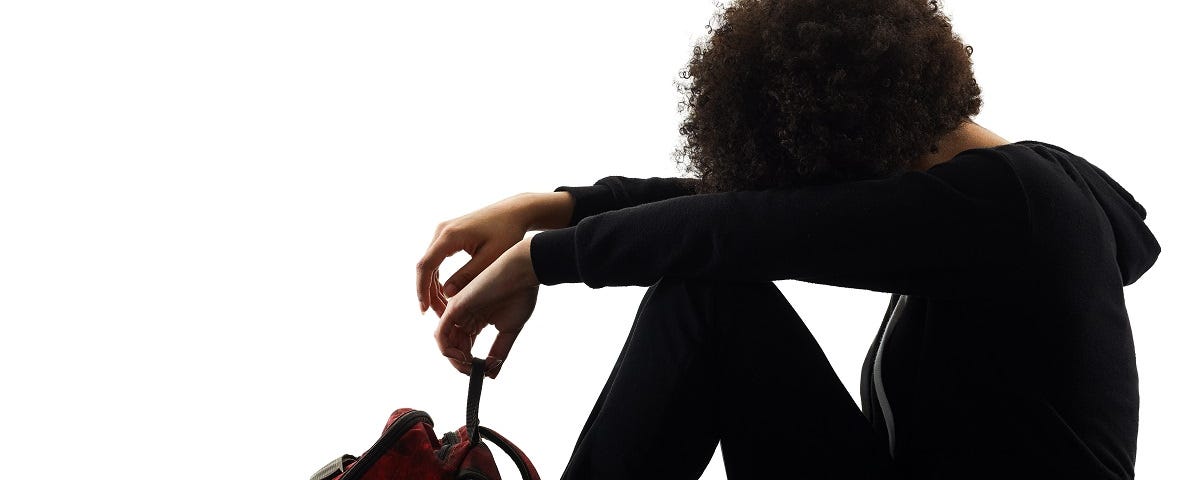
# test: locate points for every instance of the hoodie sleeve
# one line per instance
(934, 233)
(617, 192)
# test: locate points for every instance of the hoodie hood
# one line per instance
(1136, 247)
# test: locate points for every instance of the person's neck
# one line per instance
(967, 136)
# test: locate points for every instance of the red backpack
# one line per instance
(409, 449)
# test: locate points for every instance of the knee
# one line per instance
(728, 313)
(712, 289)
(692, 294)
(705, 296)
(681, 305)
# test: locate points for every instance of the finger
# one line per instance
(479, 261)
(428, 264)
(500, 350)
(438, 298)
(454, 341)
(461, 318)
(492, 365)
(455, 357)
(425, 268)
(452, 345)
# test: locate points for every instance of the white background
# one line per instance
(210, 212)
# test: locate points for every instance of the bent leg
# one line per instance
(653, 417)
(795, 418)
(708, 361)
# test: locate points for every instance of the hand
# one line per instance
(485, 234)
(504, 295)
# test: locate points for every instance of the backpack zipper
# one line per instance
(402, 424)
(877, 375)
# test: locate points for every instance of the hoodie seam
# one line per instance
(1030, 234)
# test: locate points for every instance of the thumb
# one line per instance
(500, 349)
(468, 272)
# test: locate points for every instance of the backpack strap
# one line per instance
(475, 431)
(473, 392)
(518, 457)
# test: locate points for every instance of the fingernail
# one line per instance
(495, 367)
(462, 357)
(422, 306)
(450, 289)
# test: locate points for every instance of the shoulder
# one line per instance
(1048, 174)
(981, 172)
(1036, 164)
(1032, 168)
(1021, 180)
(1053, 187)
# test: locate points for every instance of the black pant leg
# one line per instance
(651, 419)
(788, 413)
(708, 361)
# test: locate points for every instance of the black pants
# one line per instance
(710, 361)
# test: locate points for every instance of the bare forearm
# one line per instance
(546, 211)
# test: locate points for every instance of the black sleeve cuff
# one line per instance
(553, 255)
(589, 201)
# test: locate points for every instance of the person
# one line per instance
(833, 143)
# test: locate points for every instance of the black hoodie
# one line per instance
(1009, 354)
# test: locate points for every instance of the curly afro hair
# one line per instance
(788, 93)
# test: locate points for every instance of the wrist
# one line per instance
(521, 252)
(545, 211)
